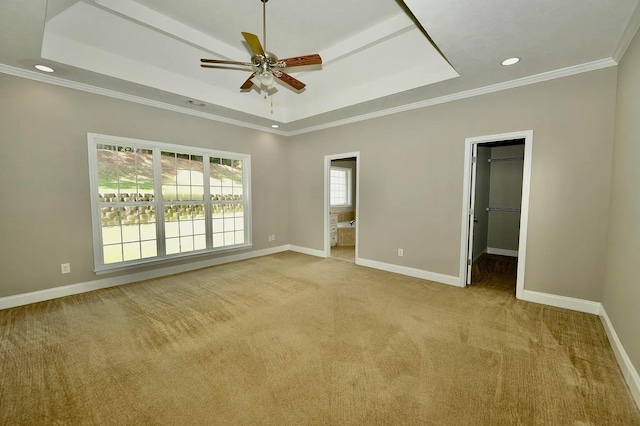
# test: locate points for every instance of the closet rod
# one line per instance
(504, 209)
(496, 160)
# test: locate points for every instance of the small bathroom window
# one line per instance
(340, 187)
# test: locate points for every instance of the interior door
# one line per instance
(472, 202)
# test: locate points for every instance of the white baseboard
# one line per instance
(628, 370)
(68, 290)
(305, 250)
(412, 272)
(571, 303)
(402, 270)
(502, 252)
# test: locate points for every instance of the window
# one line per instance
(340, 187)
(153, 201)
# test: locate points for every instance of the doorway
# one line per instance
(495, 215)
(341, 206)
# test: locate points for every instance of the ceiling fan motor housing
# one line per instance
(264, 63)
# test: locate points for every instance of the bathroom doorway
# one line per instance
(341, 206)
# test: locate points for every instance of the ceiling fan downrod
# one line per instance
(264, 23)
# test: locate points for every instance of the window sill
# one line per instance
(107, 269)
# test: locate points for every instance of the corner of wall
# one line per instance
(629, 372)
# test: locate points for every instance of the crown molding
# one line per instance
(538, 78)
(46, 78)
(627, 36)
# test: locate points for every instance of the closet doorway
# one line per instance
(497, 177)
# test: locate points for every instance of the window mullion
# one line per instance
(347, 188)
(246, 200)
(157, 196)
(208, 226)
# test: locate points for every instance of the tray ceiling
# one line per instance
(376, 54)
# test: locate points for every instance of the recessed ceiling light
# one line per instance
(510, 61)
(275, 126)
(44, 68)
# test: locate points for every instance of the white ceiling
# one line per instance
(376, 57)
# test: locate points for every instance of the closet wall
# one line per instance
(505, 197)
(498, 197)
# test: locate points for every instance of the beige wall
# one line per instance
(505, 191)
(621, 294)
(411, 175)
(44, 190)
(412, 163)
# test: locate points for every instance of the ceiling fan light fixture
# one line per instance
(510, 61)
(264, 80)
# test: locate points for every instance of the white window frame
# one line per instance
(95, 139)
(349, 184)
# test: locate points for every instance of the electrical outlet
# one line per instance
(65, 268)
(400, 252)
(272, 237)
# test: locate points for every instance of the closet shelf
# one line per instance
(504, 209)
(498, 160)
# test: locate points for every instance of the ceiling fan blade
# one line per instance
(224, 67)
(254, 43)
(248, 84)
(286, 78)
(299, 61)
(220, 61)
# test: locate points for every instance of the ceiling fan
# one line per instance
(266, 65)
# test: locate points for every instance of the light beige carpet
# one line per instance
(344, 252)
(290, 339)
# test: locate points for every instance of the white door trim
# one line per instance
(471, 216)
(327, 207)
(527, 135)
